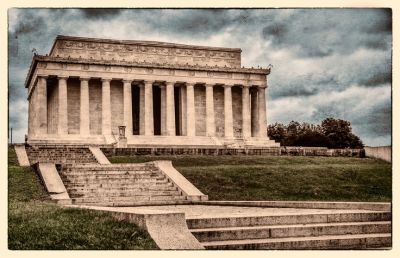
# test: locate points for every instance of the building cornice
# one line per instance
(40, 58)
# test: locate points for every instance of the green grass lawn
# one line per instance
(283, 178)
(36, 223)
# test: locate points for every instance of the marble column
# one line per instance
(128, 107)
(106, 107)
(170, 108)
(190, 111)
(163, 110)
(148, 108)
(41, 88)
(228, 111)
(262, 113)
(141, 109)
(84, 112)
(246, 117)
(210, 120)
(182, 110)
(254, 112)
(62, 105)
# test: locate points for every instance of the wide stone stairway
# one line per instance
(325, 229)
(119, 185)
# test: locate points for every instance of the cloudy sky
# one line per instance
(326, 62)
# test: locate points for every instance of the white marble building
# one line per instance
(165, 94)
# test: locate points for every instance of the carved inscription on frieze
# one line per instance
(149, 54)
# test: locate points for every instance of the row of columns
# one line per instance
(254, 124)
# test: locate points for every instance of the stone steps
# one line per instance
(89, 189)
(127, 199)
(194, 223)
(119, 184)
(138, 203)
(350, 229)
(296, 230)
(110, 194)
(110, 172)
(115, 181)
(113, 177)
(336, 242)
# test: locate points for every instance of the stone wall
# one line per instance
(74, 105)
(59, 154)
(52, 108)
(200, 109)
(237, 111)
(382, 152)
(109, 152)
(271, 151)
(95, 96)
(321, 151)
(219, 112)
(117, 105)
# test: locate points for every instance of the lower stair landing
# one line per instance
(241, 227)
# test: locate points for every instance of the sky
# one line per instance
(326, 62)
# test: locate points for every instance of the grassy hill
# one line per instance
(283, 178)
(36, 223)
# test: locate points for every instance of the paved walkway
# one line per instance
(210, 211)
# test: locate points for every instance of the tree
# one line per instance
(332, 133)
(277, 132)
(339, 133)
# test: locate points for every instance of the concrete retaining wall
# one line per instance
(383, 152)
(272, 151)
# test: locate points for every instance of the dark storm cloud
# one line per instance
(307, 85)
(29, 24)
(100, 13)
(322, 32)
(376, 79)
(193, 22)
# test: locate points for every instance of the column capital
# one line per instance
(43, 76)
(148, 82)
(227, 86)
(246, 86)
(190, 84)
(264, 86)
(63, 77)
(170, 83)
(127, 80)
(106, 79)
(209, 85)
(82, 78)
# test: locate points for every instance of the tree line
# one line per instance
(331, 133)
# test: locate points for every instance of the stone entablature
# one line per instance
(48, 66)
(148, 51)
(46, 63)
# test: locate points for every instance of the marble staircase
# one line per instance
(334, 230)
(119, 185)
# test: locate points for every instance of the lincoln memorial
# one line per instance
(88, 90)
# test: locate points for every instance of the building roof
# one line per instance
(143, 43)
